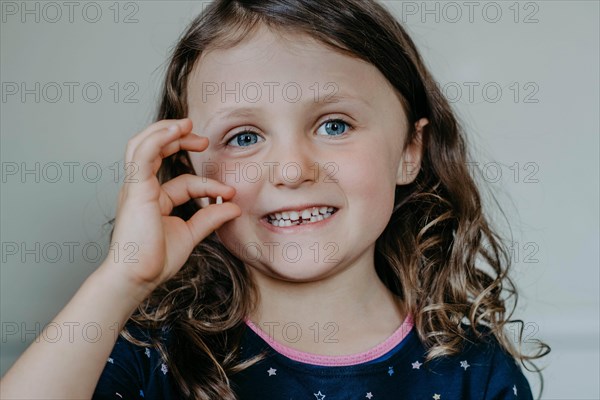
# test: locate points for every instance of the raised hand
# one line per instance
(163, 242)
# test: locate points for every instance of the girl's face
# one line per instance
(264, 105)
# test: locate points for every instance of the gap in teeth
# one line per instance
(289, 218)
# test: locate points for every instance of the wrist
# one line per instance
(121, 285)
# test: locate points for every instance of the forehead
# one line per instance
(275, 60)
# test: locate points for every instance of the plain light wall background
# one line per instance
(543, 57)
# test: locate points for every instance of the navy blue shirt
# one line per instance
(482, 371)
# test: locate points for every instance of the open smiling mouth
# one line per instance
(300, 217)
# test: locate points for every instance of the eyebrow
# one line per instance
(245, 112)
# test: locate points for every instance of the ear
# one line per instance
(410, 163)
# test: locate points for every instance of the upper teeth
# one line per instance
(289, 218)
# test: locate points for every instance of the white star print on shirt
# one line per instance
(417, 365)
(464, 364)
(391, 371)
(436, 397)
(110, 360)
(164, 368)
(147, 352)
(515, 389)
(272, 371)
(319, 396)
(369, 395)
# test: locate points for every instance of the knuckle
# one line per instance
(134, 153)
(130, 144)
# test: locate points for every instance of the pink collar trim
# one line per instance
(344, 360)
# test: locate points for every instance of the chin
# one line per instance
(297, 272)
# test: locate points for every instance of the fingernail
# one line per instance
(219, 200)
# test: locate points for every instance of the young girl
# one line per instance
(307, 229)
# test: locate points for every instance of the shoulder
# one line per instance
(132, 370)
(481, 370)
(501, 372)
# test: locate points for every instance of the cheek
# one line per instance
(245, 178)
(240, 176)
(369, 184)
(367, 177)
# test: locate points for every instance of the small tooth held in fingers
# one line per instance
(219, 200)
(204, 202)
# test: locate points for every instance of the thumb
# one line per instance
(211, 217)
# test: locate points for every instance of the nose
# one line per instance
(292, 162)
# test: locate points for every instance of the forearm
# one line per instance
(70, 366)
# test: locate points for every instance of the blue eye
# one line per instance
(244, 139)
(335, 127)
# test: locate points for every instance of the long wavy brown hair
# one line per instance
(438, 253)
